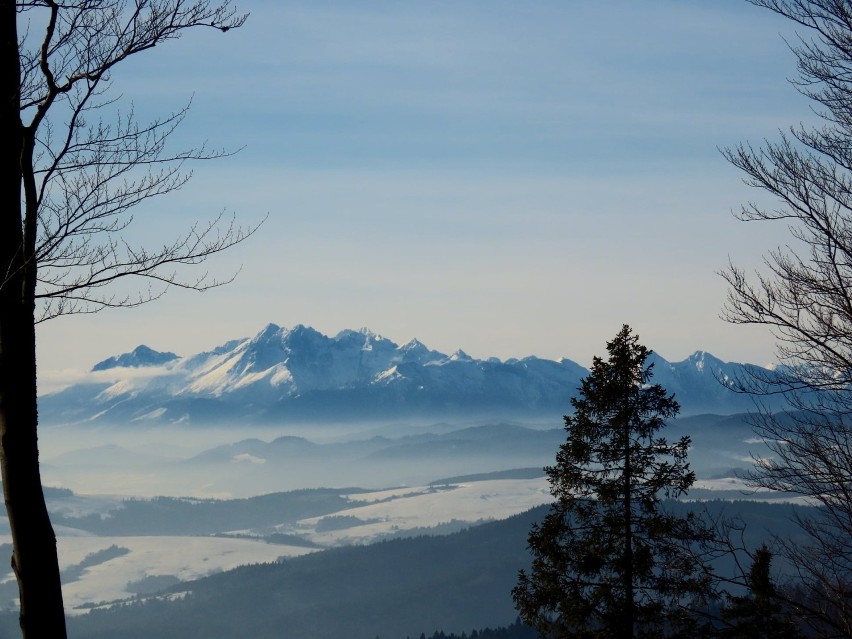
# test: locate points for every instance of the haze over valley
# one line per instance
(512, 183)
(293, 408)
(165, 468)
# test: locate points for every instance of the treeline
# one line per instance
(176, 516)
(391, 589)
(517, 630)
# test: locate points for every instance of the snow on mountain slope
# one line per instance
(138, 357)
(289, 362)
(704, 380)
(302, 374)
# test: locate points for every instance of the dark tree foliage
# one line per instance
(517, 630)
(760, 614)
(608, 561)
(804, 295)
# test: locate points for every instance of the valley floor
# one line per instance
(252, 497)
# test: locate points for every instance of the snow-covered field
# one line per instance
(126, 562)
(389, 512)
(184, 558)
(723, 488)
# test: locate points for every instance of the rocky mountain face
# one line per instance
(139, 357)
(301, 374)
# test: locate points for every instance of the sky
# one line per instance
(507, 178)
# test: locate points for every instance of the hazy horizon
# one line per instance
(506, 179)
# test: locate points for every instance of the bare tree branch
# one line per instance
(73, 166)
(803, 295)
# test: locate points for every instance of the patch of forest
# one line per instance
(177, 516)
(388, 589)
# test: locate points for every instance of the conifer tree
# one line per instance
(608, 560)
(759, 614)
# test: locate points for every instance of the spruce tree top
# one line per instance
(611, 435)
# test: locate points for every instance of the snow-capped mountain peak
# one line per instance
(303, 373)
(140, 356)
(703, 359)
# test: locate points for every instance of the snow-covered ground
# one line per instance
(181, 558)
(723, 487)
(389, 512)
(185, 558)
(371, 516)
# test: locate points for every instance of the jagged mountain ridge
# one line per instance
(139, 357)
(300, 373)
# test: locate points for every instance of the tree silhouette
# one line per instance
(70, 171)
(803, 295)
(759, 614)
(608, 560)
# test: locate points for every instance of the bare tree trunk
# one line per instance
(76, 250)
(34, 557)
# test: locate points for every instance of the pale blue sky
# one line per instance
(504, 177)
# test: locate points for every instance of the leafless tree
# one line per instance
(73, 166)
(803, 294)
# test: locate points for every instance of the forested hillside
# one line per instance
(392, 589)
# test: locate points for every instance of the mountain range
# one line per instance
(301, 374)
